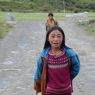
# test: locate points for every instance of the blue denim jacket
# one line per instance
(75, 62)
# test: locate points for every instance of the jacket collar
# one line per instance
(68, 51)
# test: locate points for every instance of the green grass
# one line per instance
(6, 0)
(90, 29)
(36, 16)
(31, 16)
(86, 1)
(4, 27)
(41, 17)
(91, 16)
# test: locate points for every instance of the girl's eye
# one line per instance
(52, 36)
(58, 36)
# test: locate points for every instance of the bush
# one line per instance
(4, 28)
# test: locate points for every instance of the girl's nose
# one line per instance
(55, 38)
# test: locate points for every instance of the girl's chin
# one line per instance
(56, 46)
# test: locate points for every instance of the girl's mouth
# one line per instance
(55, 43)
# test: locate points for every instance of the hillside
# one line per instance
(47, 5)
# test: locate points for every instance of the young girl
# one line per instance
(60, 67)
(50, 22)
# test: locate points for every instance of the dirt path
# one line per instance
(18, 53)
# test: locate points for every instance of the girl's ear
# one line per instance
(48, 38)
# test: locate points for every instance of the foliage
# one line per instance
(89, 27)
(47, 5)
(4, 28)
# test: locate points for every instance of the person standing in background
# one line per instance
(51, 22)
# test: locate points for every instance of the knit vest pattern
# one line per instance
(59, 81)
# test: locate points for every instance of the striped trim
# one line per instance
(58, 66)
(59, 89)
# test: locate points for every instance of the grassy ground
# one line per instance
(23, 17)
(38, 17)
(91, 16)
(90, 27)
(4, 28)
(31, 16)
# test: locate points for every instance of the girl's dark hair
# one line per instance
(47, 44)
(50, 14)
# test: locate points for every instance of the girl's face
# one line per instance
(55, 39)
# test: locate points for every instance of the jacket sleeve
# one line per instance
(38, 71)
(75, 66)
